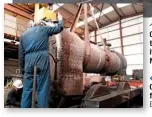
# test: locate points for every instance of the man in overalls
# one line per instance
(33, 51)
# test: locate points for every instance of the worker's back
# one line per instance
(34, 42)
(35, 39)
(34, 46)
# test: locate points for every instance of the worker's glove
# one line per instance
(59, 16)
(42, 23)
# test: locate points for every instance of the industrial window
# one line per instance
(130, 30)
(132, 49)
(132, 39)
(115, 43)
(134, 59)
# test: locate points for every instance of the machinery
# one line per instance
(67, 68)
(71, 57)
(71, 62)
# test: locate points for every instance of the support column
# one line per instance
(121, 37)
(95, 36)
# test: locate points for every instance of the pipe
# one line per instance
(34, 87)
(121, 37)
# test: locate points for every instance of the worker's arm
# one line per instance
(21, 56)
(51, 30)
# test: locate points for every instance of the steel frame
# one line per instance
(17, 11)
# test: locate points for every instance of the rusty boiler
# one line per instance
(71, 64)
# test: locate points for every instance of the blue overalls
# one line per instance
(33, 50)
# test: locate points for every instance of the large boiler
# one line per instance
(71, 62)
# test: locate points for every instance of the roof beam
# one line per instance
(17, 11)
(115, 9)
(21, 8)
(26, 8)
(134, 9)
(121, 11)
(103, 13)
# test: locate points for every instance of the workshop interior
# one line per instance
(96, 60)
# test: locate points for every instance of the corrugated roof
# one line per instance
(105, 13)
